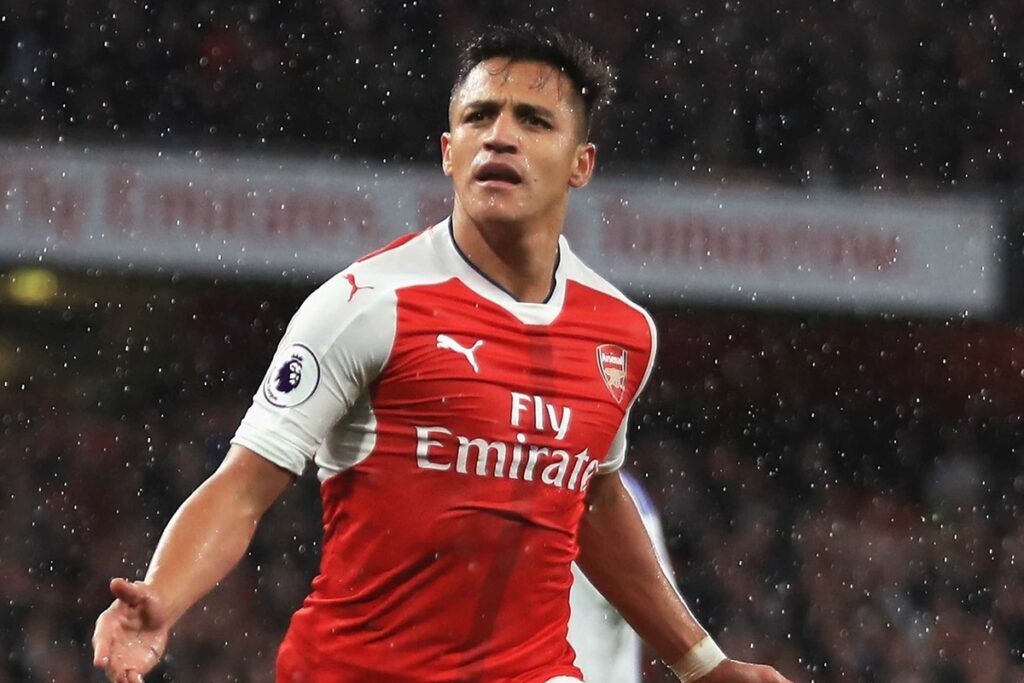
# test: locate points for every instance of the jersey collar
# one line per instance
(529, 313)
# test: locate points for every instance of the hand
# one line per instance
(731, 671)
(131, 634)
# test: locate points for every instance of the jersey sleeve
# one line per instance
(334, 347)
(617, 451)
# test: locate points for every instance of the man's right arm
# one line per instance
(204, 540)
(333, 348)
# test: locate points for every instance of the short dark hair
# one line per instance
(592, 77)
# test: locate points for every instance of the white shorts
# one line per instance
(563, 679)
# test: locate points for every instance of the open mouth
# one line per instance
(495, 173)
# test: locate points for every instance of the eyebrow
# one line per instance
(521, 108)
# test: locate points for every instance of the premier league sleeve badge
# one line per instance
(293, 377)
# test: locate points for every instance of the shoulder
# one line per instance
(372, 279)
(607, 300)
(360, 300)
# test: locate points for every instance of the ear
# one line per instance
(446, 153)
(583, 166)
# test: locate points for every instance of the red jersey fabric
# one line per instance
(455, 466)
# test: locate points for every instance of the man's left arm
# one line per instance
(618, 557)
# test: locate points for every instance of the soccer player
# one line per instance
(607, 649)
(464, 394)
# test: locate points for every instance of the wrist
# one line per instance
(699, 661)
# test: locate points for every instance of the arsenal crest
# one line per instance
(611, 360)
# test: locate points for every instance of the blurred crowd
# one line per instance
(857, 539)
(848, 537)
(892, 95)
(846, 542)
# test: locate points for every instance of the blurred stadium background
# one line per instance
(821, 204)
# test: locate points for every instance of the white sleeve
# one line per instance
(617, 451)
(334, 346)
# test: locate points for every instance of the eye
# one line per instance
(538, 122)
(475, 116)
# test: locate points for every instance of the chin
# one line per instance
(488, 211)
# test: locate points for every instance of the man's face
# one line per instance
(516, 145)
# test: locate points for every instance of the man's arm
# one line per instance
(204, 540)
(618, 557)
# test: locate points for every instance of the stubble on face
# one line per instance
(521, 114)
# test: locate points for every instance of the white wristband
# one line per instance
(699, 661)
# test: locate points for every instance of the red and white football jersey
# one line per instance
(455, 431)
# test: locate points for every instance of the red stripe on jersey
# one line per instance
(388, 247)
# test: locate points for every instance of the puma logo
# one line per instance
(446, 342)
(355, 288)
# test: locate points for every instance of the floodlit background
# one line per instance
(820, 203)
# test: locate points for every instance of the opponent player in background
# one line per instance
(607, 649)
(464, 394)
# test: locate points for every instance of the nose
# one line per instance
(502, 137)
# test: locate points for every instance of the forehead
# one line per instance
(500, 78)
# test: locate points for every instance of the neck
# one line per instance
(520, 258)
